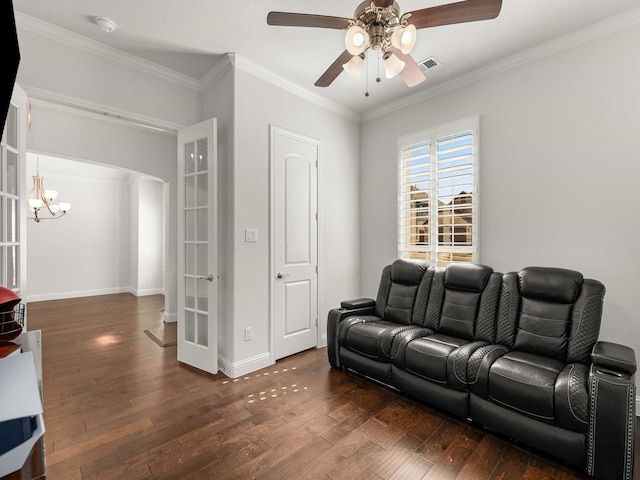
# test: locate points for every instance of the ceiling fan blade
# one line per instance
(459, 12)
(411, 73)
(334, 70)
(306, 20)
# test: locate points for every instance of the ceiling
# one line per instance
(190, 36)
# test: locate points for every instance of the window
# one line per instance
(438, 194)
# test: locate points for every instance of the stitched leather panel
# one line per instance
(508, 310)
(387, 339)
(402, 338)
(422, 297)
(586, 319)
(461, 359)
(579, 392)
(486, 323)
(435, 300)
(400, 342)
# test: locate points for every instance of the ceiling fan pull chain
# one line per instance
(378, 58)
(366, 76)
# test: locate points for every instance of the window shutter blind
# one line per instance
(438, 204)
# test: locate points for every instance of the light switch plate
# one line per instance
(250, 235)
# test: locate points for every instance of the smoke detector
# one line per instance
(106, 24)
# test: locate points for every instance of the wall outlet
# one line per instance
(248, 334)
(250, 235)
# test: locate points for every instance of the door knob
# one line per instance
(209, 278)
(282, 275)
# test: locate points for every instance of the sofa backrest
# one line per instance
(403, 292)
(552, 312)
(463, 301)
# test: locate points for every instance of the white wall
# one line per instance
(63, 68)
(259, 104)
(87, 251)
(559, 171)
(146, 212)
(218, 103)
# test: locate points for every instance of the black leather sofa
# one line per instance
(517, 353)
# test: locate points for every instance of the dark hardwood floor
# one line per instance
(118, 406)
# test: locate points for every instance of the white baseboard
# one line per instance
(146, 292)
(244, 367)
(170, 317)
(83, 293)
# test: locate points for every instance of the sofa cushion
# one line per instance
(551, 284)
(370, 336)
(406, 272)
(525, 382)
(467, 276)
(427, 357)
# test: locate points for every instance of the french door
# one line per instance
(12, 200)
(198, 246)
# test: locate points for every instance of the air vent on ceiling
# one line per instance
(429, 64)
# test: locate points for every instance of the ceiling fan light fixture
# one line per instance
(404, 38)
(392, 65)
(355, 66)
(356, 39)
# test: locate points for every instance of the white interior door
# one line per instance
(198, 247)
(294, 163)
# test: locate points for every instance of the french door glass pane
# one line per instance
(202, 224)
(189, 225)
(12, 267)
(2, 216)
(203, 329)
(190, 191)
(12, 220)
(12, 173)
(203, 259)
(203, 197)
(12, 126)
(203, 295)
(203, 153)
(190, 259)
(189, 326)
(189, 158)
(190, 292)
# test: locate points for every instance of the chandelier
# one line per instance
(41, 201)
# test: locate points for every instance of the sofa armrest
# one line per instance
(334, 318)
(612, 417)
(358, 303)
(615, 357)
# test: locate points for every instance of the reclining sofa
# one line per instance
(517, 353)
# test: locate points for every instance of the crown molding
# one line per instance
(39, 96)
(600, 29)
(242, 63)
(80, 42)
(219, 70)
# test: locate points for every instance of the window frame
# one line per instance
(432, 135)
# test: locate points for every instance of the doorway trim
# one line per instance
(274, 130)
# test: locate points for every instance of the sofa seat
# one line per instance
(525, 382)
(371, 336)
(438, 358)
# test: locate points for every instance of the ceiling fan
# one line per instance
(378, 25)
